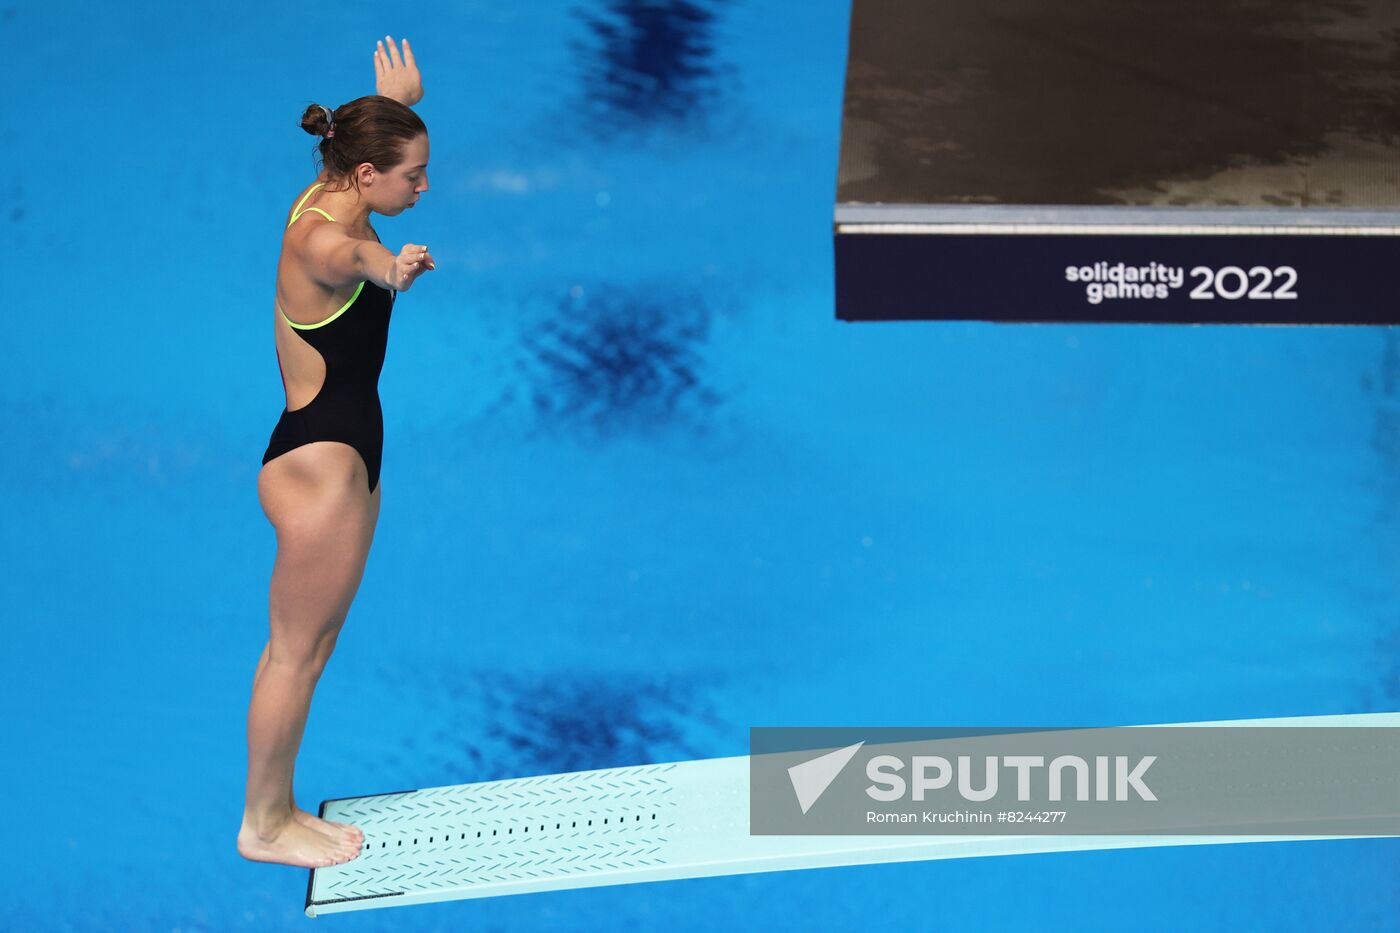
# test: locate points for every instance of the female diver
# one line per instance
(319, 484)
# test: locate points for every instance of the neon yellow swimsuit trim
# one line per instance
(297, 212)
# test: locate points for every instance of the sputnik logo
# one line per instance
(811, 778)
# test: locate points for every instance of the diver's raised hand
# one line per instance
(396, 75)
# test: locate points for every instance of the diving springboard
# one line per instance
(658, 822)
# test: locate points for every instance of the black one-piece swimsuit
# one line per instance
(352, 342)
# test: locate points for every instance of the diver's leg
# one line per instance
(324, 522)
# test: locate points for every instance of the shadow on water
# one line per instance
(609, 360)
(502, 725)
(647, 64)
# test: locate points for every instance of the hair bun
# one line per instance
(318, 120)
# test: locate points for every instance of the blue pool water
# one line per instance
(641, 490)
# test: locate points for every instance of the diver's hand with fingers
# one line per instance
(396, 75)
(412, 261)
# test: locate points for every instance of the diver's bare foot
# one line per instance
(294, 844)
(342, 831)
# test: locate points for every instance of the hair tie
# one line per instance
(330, 119)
